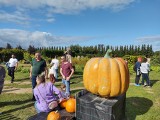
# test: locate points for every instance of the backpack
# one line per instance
(134, 68)
(7, 65)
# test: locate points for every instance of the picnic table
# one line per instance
(43, 116)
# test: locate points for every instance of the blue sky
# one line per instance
(84, 22)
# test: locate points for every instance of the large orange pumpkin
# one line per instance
(107, 77)
(54, 115)
(71, 105)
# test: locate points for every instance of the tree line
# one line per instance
(77, 50)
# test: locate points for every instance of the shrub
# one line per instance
(155, 68)
(23, 69)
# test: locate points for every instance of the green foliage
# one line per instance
(5, 54)
(22, 69)
(155, 68)
(51, 53)
(27, 56)
(81, 61)
(155, 60)
(131, 59)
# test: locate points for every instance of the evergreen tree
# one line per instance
(8, 46)
(19, 47)
(31, 49)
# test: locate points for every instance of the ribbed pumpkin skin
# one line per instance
(71, 105)
(54, 115)
(63, 104)
(107, 77)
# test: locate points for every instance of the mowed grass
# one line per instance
(144, 103)
(141, 103)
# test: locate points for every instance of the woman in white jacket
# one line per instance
(145, 68)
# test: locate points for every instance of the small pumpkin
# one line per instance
(54, 115)
(71, 105)
(63, 103)
(105, 76)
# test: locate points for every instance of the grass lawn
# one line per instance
(141, 103)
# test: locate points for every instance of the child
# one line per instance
(46, 101)
(51, 74)
(52, 78)
(145, 70)
(63, 91)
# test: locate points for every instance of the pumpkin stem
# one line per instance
(107, 53)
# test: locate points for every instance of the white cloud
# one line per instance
(46, 7)
(16, 17)
(62, 6)
(50, 20)
(38, 39)
(151, 40)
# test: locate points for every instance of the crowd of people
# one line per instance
(45, 94)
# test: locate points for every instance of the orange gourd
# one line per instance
(63, 103)
(71, 105)
(105, 76)
(54, 115)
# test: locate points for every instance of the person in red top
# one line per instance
(66, 70)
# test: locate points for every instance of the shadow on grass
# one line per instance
(76, 82)
(22, 79)
(137, 106)
(8, 116)
(15, 102)
(19, 108)
(13, 89)
(74, 77)
(153, 82)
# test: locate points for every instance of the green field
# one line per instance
(141, 103)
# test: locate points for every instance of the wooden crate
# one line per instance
(93, 107)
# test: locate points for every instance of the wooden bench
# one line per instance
(64, 116)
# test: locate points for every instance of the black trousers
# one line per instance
(137, 79)
(11, 72)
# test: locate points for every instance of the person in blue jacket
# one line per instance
(137, 70)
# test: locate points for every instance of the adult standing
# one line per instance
(2, 76)
(66, 70)
(67, 53)
(148, 62)
(137, 70)
(54, 67)
(12, 66)
(38, 65)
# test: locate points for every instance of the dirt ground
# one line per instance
(10, 89)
